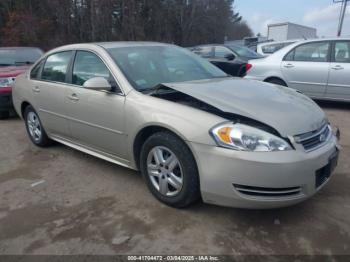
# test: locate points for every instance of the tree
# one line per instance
(50, 23)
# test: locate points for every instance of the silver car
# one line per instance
(318, 68)
(191, 130)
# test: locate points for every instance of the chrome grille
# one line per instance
(313, 140)
(267, 192)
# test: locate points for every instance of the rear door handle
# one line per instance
(73, 97)
(337, 67)
(288, 66)
(36, 89)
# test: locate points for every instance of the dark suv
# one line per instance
(13, 62)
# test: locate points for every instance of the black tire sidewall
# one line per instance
(4, 115)
(190, 190)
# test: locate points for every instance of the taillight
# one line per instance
(248, 67)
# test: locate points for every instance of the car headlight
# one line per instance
(246, 138)
(6, 82)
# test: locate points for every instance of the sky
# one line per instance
(320, 14)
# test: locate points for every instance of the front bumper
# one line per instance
(6, 101)
(292, 174)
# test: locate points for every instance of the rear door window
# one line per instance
(56, 67)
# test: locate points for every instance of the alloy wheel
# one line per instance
(165, 171)
(34, 126)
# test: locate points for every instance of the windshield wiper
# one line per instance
(24, 63)
(156, 89)
(5, 64)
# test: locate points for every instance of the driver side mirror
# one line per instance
(97, 83)
(230, 57)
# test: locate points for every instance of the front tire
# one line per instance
(170, 170)
(35, 128)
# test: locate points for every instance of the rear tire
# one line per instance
(174, 180)
(277, 81)
(4, 115)
(35, 129)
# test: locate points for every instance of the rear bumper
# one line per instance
(261, 180)
(6, 101)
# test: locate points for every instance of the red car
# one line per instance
(13, 62)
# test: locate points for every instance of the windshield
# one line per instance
(244, 52)
(148, 66)
(17, 57)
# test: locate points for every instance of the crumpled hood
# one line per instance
(12, 71)
(284, 109)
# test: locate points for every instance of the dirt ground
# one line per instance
(61, 201)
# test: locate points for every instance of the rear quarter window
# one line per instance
(36, 71)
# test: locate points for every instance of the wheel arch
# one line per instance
(148, 131)
(268, 79)
(24, 105)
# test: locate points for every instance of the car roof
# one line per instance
(317, 40)
(288, 48)
(105, 45)
(108, 45)
(324, 39)
(218, 45)
(285, 41)
(280, 42)
(128, 44)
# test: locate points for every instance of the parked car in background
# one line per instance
(13, 61)
(193, 131)
(228, 51)
(268, 48)
(318, 68)
(232, 59)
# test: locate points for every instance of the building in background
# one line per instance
(281, 32)
(288, 31)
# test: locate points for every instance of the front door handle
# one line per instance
(337, 67)
(73, 97)
(36, 89)
(288, 66)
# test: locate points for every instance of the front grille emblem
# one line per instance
(322, 138)
(314, 140)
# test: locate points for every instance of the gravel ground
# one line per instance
(60, 201)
